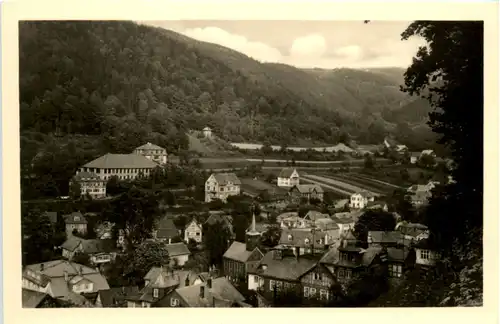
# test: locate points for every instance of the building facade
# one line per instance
(360, 200)
(288, 178)
(193, 231)
(153, 152)
(221, 186)
(90, 184)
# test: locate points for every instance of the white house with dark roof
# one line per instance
(75, 221)
(222, 185)
(61, 279)
(306, 191)
(99, 251)
(124, 166)
(426, 253)
(360, 200)
(178, 253)
(193, 231)
(288, 178)
(90, 183)
(153, 152)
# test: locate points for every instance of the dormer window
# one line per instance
(77, 218)
(155, 293)
(306, 241)
(290, 237)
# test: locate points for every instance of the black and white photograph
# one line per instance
(251, 163)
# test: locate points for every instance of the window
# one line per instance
(341, 273)
(424, 254)
(271, 285)
(312, 292)
(174, 302)
(256, 279)
(395, 270)
(348, 274)
(155, 293)
(290, 237)
(306, 292)
(323, 294)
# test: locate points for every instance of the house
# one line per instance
(75, 222)
(401, 149)
(384, 238)
(178, 253)
(90, 183)
(398, 261)
(420, 198)
(346, 221)
(63, 279)
(307, 240)
(314, 215)
(123, 166)
(218, 292)
(159, 282)
(426, 254)
(99, 251)
(193, 231)
(242, 257)
(222, 185)
(36, 299)
(165, 230)
(361, 199)
(306, 191)
(348, 261)
(115, 297)
(414, 157)
(288, 178)
(377, 205)
(316, 284)
(326, 224)
(412, 232)
(207, 132)
(293, 221)
(279, 274)
(153, 152)
(339, 204)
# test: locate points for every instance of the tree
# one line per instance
(135, 212)
(448, 72)
(39, 238)
(373, 220)
(271, 237)
(75, 190)
(405, 175)
(216, 239)
(369, 164)
(146, 255)
(403, 205)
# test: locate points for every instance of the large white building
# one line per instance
(222, 185)
(153, 152)
(90, 183)
(360, 200)
(124, 166)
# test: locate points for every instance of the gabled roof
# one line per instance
(54, 271)
(31, 299)
(306, 188)
(347, 217)
(286, 215)
(377, 203)
(314, 215)
(71, 243)
(384, 236)
(364, 194)
(149, 146)
(225, 178)
(238, 252)
(121, 161)
(286, 172)
(397, 254)
(424, 152)
(222, 290)
(207, 128)
(116, 296)
(166, 228)
(92, 246)
(367, 256)
(288, 268)
(326, 224)
(176, 249)
(75, 218)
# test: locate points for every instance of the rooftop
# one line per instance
(286, 172)
(314, 215)
(288, 268)
(222, 291)
(149, 146)
(176, 249)
(306, 188)
(75, 218)
(378, 237)
(115, 296)
(86, 176)
(225, 178)
(121, 161)
(31, 299)
(238, 252)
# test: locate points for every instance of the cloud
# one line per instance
(256, 50)
(350, 52)
(308, 46)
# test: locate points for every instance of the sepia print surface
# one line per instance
(251, 163)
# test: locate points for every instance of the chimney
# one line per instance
(297, 252)
(209, 283)
(344, 243)
(202, 291)
(41, 266)
(66, 278)
(186, 282)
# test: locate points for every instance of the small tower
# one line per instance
(252, 236)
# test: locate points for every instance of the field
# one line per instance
(254, 187)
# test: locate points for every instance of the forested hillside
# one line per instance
(87, 88)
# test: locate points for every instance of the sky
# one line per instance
(307, 44)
